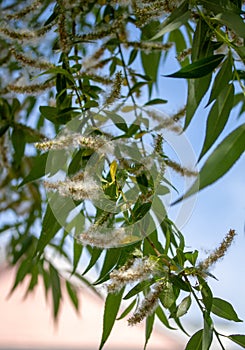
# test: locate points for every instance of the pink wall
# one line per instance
(28, 323)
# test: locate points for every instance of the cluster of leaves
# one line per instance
(88, 48)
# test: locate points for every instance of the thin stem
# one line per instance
(218, 338)
(201, 308)
(125, 72)
(219, 35)
(165, 261)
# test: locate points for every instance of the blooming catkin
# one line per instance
(139, 270)
(218, 253)
(70, 140)
(148, 305)
(76, 189)
(102, 236)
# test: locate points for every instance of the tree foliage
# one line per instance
(80, 182)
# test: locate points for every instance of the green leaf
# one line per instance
(167, 296)
(73, 295)
(117, 120)
(220, 161)
(222, 79)
(177, 18)
(77, 252)
(112, 305)
(141, 211)
(56, 290)
(38, 169)
(137, 86)
(127, 310)
(34, 279)
(4, 125)
(197, 88)
(224, 309)
(155, 101)
(192, 257)
(60, 71)
(59, 116)
(138, 288)
(218, 117)
(207, 295)
(18, 140)
(111, 258)
(95, 254)
(179, 39)
(184, 306)
(149, 328)
(195, 342)
(233, 21)
(200, 38)
(132, 57)
(150, 61)
(207, 336)
(199, 68)
(48, 112)
(219, 5)
(238, 339)
(50, 226)
(23, 270)
(91, 104)
(162, 317)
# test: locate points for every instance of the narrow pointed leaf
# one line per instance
(38, 169)
(127, 310)
(138, 288)
(73, 295)
(222, 79)
(23, 270)
(149, 328)
(207, 296)
(56, 290)
(112, 305)
(77, 252)
(155, 101)
(197, 89)
(207, 336)
(178, 17)
(200, 38)
(238, 339)
(95, 254)
(195, 342)
(162, 317)
(50, 226)
(218, 117)
(224, 309)
(150, 61)
(183, 306)
(199, 68)
(111, 258)
(220, 161)
(233, 21)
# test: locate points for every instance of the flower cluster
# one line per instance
(23, 12)
(116, 89)
(218, 253)
(138, 269)
(29, 61)
(76, 189)
(148, 305)
(102, 236)
(71, 140)
(180, 169)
